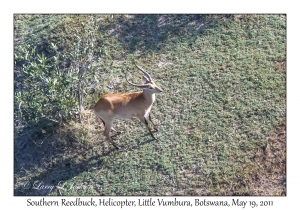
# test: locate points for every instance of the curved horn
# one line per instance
(142, 70)
(140, 86)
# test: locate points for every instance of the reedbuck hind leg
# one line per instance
(116, 130)
(108, 126)
(112, 128)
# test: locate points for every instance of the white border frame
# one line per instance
(153, 6)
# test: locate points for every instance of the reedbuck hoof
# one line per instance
(154, 138)
(118, 147)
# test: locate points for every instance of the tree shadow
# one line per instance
(153, 32)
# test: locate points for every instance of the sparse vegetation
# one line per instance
(221, 116)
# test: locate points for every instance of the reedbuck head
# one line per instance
(127, 105)
(148, 85)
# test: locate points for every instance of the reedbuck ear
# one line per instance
(145, 80)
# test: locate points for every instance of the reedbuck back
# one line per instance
(127, 105)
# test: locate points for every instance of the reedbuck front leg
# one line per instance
(144, 120)
(155, 127)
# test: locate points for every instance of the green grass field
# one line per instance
(221, 116)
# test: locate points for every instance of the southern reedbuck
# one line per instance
(127, 105)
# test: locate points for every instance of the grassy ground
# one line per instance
(221, 115)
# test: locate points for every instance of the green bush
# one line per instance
(51, 81)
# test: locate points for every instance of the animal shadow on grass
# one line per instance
(55, 160)
(130, 148)
(60, 157)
